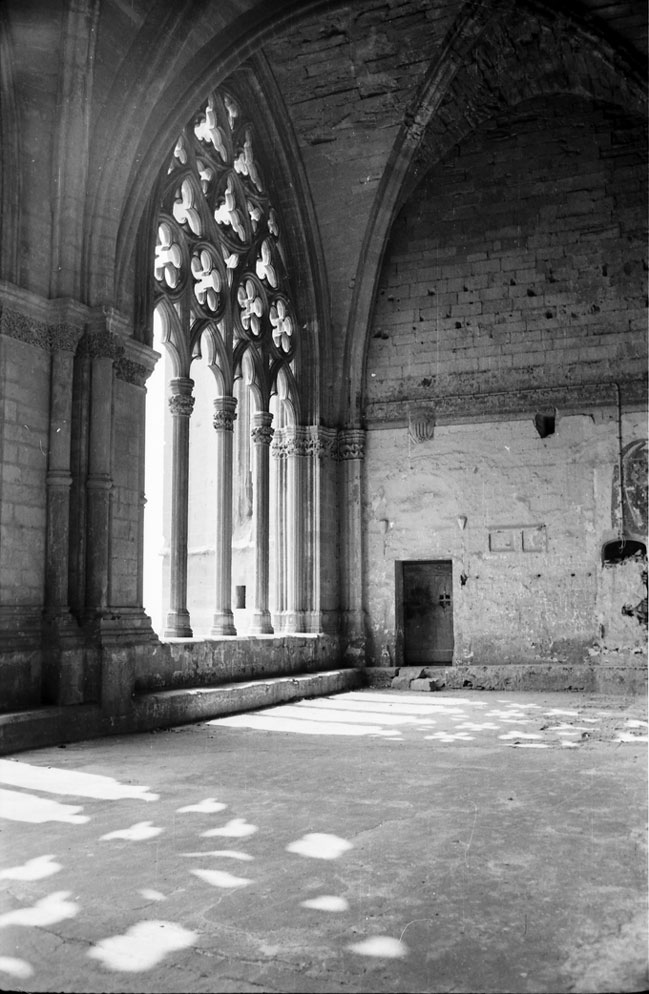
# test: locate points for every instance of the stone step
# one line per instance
(39, 727)
(158, 709)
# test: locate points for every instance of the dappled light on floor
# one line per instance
(34, 869)
(16, 967)
(17, 806)
(207, 807)
(226, 853)
(56, 781)
(151, 895)
(326, 902)
(142, 946)
(221, 878)
(310, 855)
(140, 832)
(381, 946)
(319, 845)
(441, 720)
(48, 911)
(236, 828)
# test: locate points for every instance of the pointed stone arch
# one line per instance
(527, 44)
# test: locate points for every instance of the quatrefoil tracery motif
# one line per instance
(184, 208)
(264, 266)
(229, 214)
(208, 131)
(282, 325)
(251, 307)
(244, 163)
(168, 257)
(207, 280)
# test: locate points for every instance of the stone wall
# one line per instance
(518, 264)
(523, 520)
(508, 336)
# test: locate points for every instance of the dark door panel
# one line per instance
(427, 612)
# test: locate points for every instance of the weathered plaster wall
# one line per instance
(549, 599)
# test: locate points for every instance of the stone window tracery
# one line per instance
(222, 294)
(218, 249)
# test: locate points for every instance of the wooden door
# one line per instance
(427, 612)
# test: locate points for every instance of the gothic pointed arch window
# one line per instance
(227, 328)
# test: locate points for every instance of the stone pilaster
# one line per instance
(351, 451)
(102, 348)
(63, 657)
(321, 534)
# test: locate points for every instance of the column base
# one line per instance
(64, 659)
(291, 622)
(223, 624)
(178, 626)
(260, 623)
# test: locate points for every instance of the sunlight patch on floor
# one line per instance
(319, 845)
(17, 806)
(48, 911)
(326, 902)
(34, 869)
(57, 781)
(221, 878)
(226, 853)
(207, 807)
(139, 832)
(236, 828)
(16, 967)
(142, 946)
(380, 945)
(276, 723)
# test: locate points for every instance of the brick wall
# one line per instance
(520, 262)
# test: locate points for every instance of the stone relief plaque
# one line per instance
(518, 538)
(505, 540)
(535, 539)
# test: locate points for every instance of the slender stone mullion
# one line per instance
(181, 404)
(278, 451)
(261, 435)
(224, 418)
(294, 524)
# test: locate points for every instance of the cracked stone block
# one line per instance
(401, 683)
(426, 684)
(379, 676)
(412, 672)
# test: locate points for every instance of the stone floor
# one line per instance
(373, 841)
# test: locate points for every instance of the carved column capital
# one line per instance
(102, 345)
(181, 402)
(59, 337)
(224, 413)
(351, 443)
(261, 432)
(132, 372)
(279, 448)
(297, 440)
